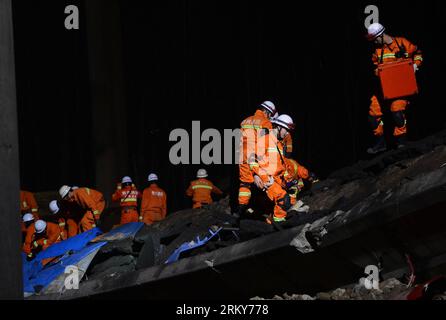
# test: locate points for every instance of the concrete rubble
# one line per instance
(376, 212)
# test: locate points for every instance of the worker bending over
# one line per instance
(270, 167)
(39, 237)
(27, 221)
(68, 226)
(90, 201)
(252, 128)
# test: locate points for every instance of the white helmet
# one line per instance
(63, 191)
(284, 121)
(126, 180)
(28, 217)
(202, 173)
(268, 105)
(374, 31)
(40, 226)
(152, 177)
(54, 207)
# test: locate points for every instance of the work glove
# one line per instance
(258, 182)
(269, 183)
(415, 67)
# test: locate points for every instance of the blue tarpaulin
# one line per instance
(47, 275)
(69, 253)
(188, 246)
(123, 232)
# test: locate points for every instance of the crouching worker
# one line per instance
(68, 227)
(269, 167)
(201, 190)
(295, 177)
(28, 221)
(90, 201)
(127, 195)
(39, 237)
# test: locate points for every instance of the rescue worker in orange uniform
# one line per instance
(28, 221)
(91, 201)
(293, 178)
(201, 190)
(39, 237)
(154, 202)
(252, 128)
(127, 195)
(68, 227)
(270, 167)
(28, 204)
(390, 49)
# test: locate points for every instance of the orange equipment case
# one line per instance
(398, 79)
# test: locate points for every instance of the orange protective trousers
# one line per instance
(397, 106)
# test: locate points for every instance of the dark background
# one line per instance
(99, 103)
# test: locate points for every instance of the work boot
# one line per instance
(380, 146)
(401, 141)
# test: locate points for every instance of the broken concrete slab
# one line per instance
(371, 212)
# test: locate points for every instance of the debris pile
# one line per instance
(376, 212)
(391, 289)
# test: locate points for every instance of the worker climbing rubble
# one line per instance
(201, 190)
(90, 201)
(127, 195)
(280, 178)
(388, 50)
(154, 202)
(252, 128)
(268, 166)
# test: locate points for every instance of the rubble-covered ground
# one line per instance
(378, 210)
(391, 289)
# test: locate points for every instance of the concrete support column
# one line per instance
(11, 286)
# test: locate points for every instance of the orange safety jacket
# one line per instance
(90, 200)
(295, 171)
(389, 52)
(154, 204)
(201, 191)
(252, 128)
(270, 160)
(127, 197)
(28, 204)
